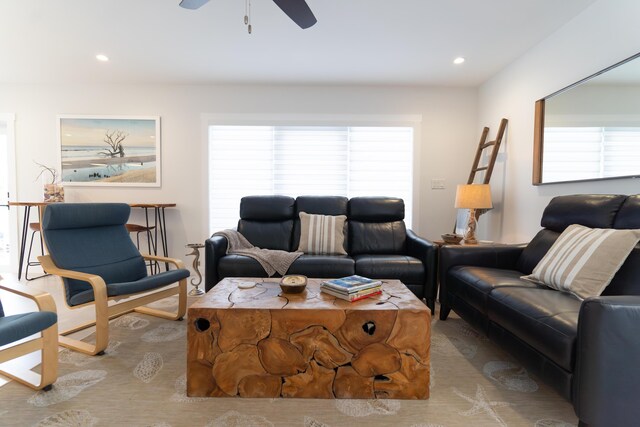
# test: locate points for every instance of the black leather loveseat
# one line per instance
(376, 240)
(589, 351)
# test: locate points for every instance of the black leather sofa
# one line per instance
(376, 240)
(589, 351)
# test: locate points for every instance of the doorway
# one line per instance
(8, 230)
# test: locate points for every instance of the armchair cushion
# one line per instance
(19, 326)
(92, 238)
(126, 288)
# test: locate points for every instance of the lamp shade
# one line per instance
(473, 196)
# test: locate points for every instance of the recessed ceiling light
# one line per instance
(458, 60)
(101, 57)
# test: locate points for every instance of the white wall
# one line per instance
(448, 137)
(605, 33)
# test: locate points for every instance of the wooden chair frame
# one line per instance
(47, 344)
(105, 312)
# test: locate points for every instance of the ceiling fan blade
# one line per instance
(193, 4)
(298, 11)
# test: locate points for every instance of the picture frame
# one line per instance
(109, 150)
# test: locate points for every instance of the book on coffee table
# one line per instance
(353, 296)
(351, 284)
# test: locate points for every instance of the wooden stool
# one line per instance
(35, 228)
(136, 228)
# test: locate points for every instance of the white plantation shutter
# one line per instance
(240, 164)
(573, 153)
(381, 163)
(310, 160)
(306, 160)
(621, 153)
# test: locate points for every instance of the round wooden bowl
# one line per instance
(293, 283)
(452, 239)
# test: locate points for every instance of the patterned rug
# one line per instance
(141, 381)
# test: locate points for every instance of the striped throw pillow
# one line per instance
(583, 260)
(322, 234)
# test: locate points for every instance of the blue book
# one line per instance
(351, 284)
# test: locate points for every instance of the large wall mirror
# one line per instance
(591, 129)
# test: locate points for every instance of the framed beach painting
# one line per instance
(109, 151)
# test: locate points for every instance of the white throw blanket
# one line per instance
(271, 260)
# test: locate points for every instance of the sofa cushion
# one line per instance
(535, 250)
(267, 221)
(323, 266)
(267, 235)
(583, 260)
(267, 208)
(474, 284)
(408, 270)
(626, 282)
(377, 238)
(322, 234)
(629, 214)
(239, 266)
(376, 209)
(545, 319)
(590, 210)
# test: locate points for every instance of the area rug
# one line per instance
(141, 381)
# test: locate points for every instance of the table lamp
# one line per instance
(472, 197)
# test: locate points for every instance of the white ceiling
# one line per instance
(389, 42)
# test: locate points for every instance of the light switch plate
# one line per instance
(437, 184)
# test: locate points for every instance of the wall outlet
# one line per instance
(437, 184)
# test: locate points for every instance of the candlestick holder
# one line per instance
(196, 267)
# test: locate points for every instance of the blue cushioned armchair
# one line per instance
(90, 249)
(20, 326)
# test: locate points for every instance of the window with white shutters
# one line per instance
(306, 160)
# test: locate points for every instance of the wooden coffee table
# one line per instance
(260, 342)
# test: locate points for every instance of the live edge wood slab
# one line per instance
(260, 342)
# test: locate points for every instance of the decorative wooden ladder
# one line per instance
(482, 145)
(493, 156)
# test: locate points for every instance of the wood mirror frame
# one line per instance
(539, 121)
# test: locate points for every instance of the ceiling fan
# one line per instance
(297, 10)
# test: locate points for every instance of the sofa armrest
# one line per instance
(607, 379)
(427, 252)
(491, 256)
(215, 248)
